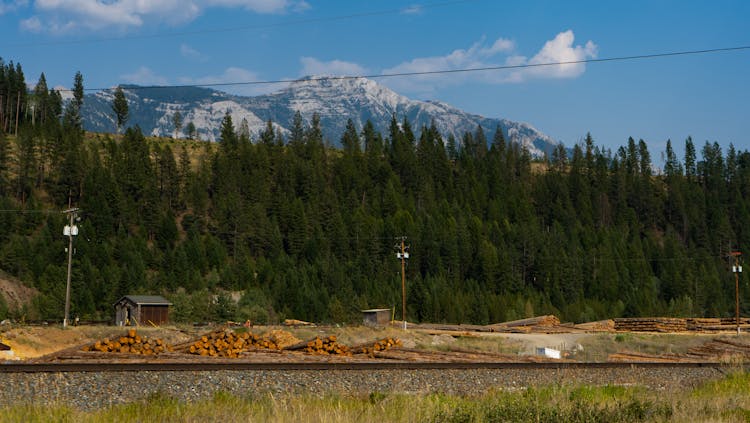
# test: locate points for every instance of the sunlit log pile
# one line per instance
(704, 324)
(131, 343)
(720, 349)
(370, 348)
(225, 343)
(321, 346)
(651, 324)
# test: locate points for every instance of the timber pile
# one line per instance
(712, 351)
(548, 320)
(722, 349)
(636, 357)
(321, 346)
(371, 348)
(716, 324)
(598, 326)
(131, 343)
(281, 338)
(225, 343)
(295, 322)
(651, 324)
(539, 324)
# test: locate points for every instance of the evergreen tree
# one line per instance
(120, 107)
(177, 121)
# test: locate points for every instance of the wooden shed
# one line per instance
(376, 317)
(134, 310)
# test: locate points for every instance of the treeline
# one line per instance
(302, 230)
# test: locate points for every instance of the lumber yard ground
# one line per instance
(678, 353)
(657, 338)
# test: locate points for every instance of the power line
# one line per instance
(242, 28)
(441, 72)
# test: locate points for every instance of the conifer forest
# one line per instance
(270, 226)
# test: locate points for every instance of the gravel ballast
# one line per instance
(93, 390)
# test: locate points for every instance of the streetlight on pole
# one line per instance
(737, 269)
(70, 231)
(403, 255)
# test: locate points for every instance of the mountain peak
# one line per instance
(334, 99)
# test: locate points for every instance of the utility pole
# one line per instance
(737, 269)
(403, 255)
(70, 231)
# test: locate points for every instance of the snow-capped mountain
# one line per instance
(335, 100)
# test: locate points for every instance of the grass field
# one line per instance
(727, 399)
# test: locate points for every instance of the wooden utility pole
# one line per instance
(403, 256)
(70, 231)
(737, 269)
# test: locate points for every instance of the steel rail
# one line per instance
(366, 366)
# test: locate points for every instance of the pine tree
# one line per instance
(177, 121)
(120, 107)
(191, 130)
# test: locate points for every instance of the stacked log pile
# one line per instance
(132, 343)
(712, 351)
(598, 326)
(225, 343)
(716, 324)
(722, 349)
(539, 324)
(370, 348)
(637, 357)
(651, 324)
(548, 320)
(321, 346)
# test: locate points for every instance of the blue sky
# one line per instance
(211, 41)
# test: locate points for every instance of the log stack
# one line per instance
(705, 324)
(651, 324)
(321, 346)
(226, 343)
(131, 343)
(722, 349)
(370, 348)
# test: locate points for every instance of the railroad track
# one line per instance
(359, 366)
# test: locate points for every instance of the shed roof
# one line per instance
(146, 300)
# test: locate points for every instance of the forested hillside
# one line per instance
(307, 231)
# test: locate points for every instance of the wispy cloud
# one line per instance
(260, 6)
(242, 80)
(144, 76)
(502, 52)
(63, 16)
(11, 5)
(415, 9)
(190, 53)
(313, 66)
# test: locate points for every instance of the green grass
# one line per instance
(727, 399)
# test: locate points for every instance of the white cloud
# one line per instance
(499, 53)
(190, 53)
(259, 6)
(144, 76)
(234, 75)
(313, 66)
(561, 49)
(501, 45)
(58, 16)
(412, 10)
(12, 5)
(33, 24)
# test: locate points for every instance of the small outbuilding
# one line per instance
(376, 317)
(134, 310)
